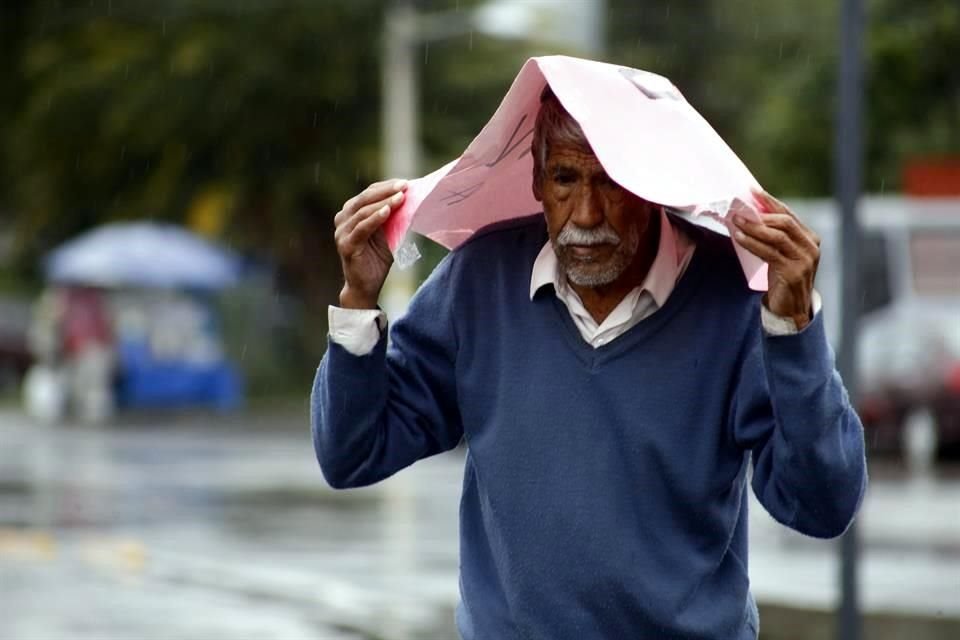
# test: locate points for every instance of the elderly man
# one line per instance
(613, 376)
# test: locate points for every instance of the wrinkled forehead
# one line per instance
(573, 157)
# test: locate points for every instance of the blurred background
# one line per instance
(169, 171)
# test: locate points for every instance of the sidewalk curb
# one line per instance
(779, 622)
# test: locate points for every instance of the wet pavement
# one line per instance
(199, 528)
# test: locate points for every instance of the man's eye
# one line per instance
(563, 178)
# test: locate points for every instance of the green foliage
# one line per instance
(253, 121)
(135, 113)
(914, 88)
(764, 74)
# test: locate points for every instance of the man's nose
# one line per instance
(587, 211)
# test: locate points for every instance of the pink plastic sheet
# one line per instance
(643, 131)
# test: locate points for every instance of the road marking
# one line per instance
(28, 543)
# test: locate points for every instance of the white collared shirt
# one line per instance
(674, 251)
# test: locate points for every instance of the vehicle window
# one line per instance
(935, 261)
(874, 272)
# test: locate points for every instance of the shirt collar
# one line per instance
(659, 281)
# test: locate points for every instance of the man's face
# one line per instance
(595, 225)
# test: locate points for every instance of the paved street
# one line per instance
(226, 530)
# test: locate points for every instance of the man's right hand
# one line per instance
(362, 245)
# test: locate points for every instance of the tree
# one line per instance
(764, 74)
(252, 123)
(913, 93)
(13, 21)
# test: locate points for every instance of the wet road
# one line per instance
(197, 530)
(223, 531)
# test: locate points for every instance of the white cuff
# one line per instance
(356, 330)
(774, 325)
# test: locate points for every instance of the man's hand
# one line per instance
(793, 252)
(364, 255)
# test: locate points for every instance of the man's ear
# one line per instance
(537, 185)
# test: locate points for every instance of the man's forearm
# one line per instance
(819, 451)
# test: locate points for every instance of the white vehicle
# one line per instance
(908, 351)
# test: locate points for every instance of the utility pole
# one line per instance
(848, 160)
(400, 92)
(400, 127)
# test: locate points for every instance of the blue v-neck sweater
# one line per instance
(604, 493)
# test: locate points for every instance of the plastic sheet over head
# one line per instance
(406, 254)
(648, 138)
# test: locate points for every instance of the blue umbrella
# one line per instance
(142, 254)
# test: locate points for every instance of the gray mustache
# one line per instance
(572, 234)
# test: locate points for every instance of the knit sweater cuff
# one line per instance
(799, 367)
(365, 367)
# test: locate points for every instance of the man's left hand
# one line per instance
(792, 251)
